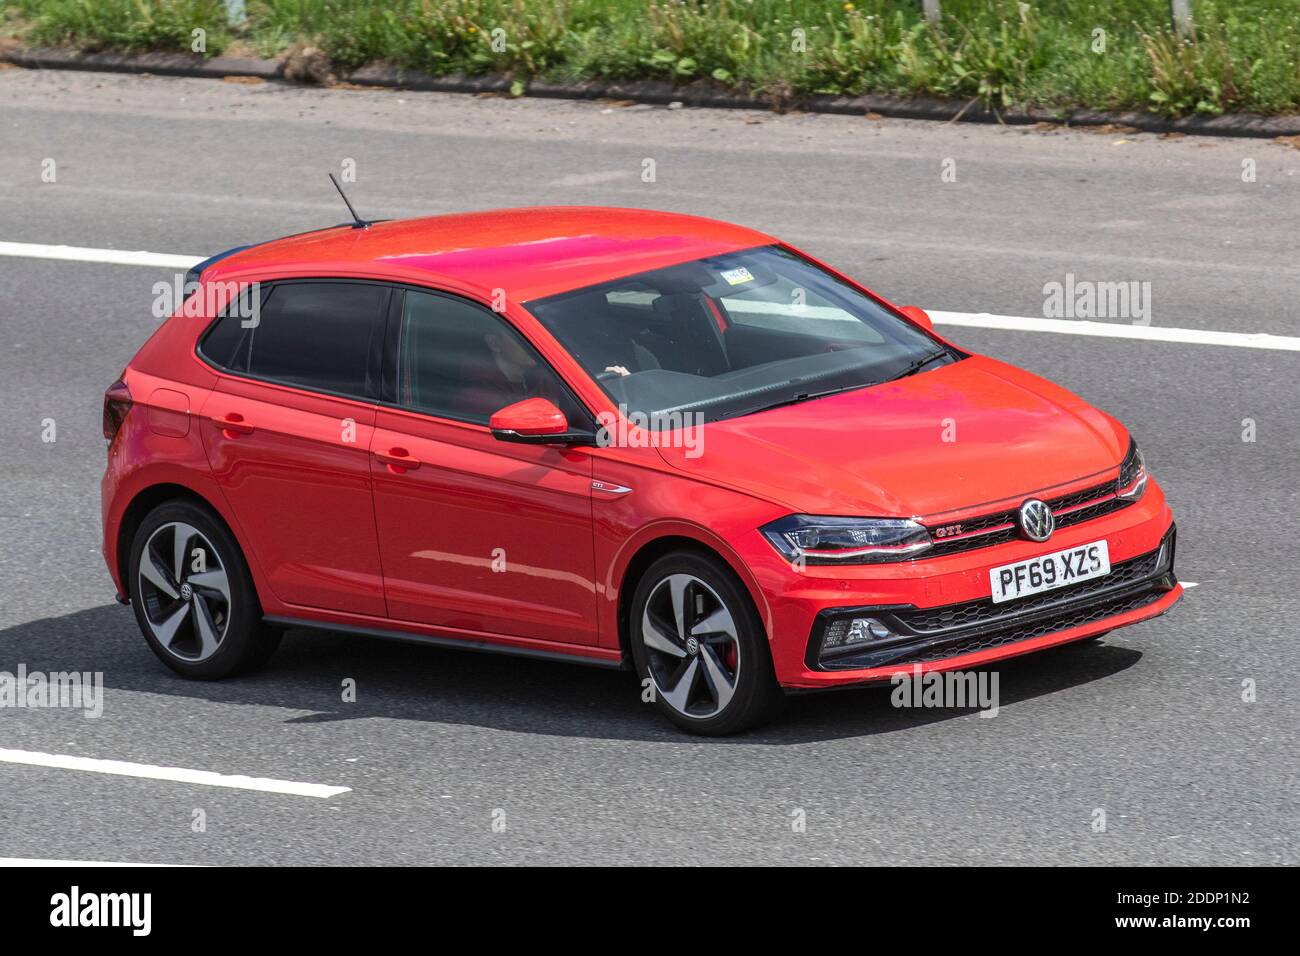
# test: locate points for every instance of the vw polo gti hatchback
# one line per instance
(616, 437)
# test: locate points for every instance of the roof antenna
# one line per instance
(357, 221)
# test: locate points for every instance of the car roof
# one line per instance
(530, 253)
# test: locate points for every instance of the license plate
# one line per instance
(1049, 571)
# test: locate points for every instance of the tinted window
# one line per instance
(314, 334)
(458, 360)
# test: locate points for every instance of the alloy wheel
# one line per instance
(692, 650)
(185, 591)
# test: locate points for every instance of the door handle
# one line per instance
(397, 460)
(233, 424)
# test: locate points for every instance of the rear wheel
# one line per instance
(697, 637)
(193, 595)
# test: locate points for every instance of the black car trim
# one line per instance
(455, 643)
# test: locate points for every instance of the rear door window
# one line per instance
(317, 335)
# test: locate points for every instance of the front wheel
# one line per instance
(193, 595)
(697, 638)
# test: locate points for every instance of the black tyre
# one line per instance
(696, 635)
(193, 596)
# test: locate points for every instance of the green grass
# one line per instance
(130, 25)
(1245, 55)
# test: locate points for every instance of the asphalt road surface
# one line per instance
(1149, 725)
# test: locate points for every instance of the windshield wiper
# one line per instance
(801, 397)
(809, 396)
(920, 364)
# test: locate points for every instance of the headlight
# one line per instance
(819, 540)
(1132, 475)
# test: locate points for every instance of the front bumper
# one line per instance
(935, 634)
(940, 613)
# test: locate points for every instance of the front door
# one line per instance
(476, 534)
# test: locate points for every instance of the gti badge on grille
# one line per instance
(1036, 520)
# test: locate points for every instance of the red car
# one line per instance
(616, 437)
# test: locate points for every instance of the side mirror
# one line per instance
(919, 316)
(534, 421)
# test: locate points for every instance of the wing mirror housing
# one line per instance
(535, 421)
(919, 316)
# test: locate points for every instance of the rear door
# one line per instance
(288, 433)
(477, 534)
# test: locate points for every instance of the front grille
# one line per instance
(981, 612)
(1001, 536)
(1005, 522)
(932, 634)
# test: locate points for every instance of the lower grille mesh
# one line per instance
(980, 612)
(1077, 619)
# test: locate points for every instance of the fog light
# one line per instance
(864, 629)
(851, 632)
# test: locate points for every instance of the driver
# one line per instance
(512, 361)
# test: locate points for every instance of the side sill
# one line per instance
(453, 643)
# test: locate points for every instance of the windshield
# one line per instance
(732, 334)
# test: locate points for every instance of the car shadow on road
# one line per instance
(404, 681)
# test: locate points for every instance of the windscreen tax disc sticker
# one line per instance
(737, 276)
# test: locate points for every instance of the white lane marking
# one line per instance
(1188, 585)
(22, 861)
(977, 320)
(178, 774)
(1115, 330)
(117, 257)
